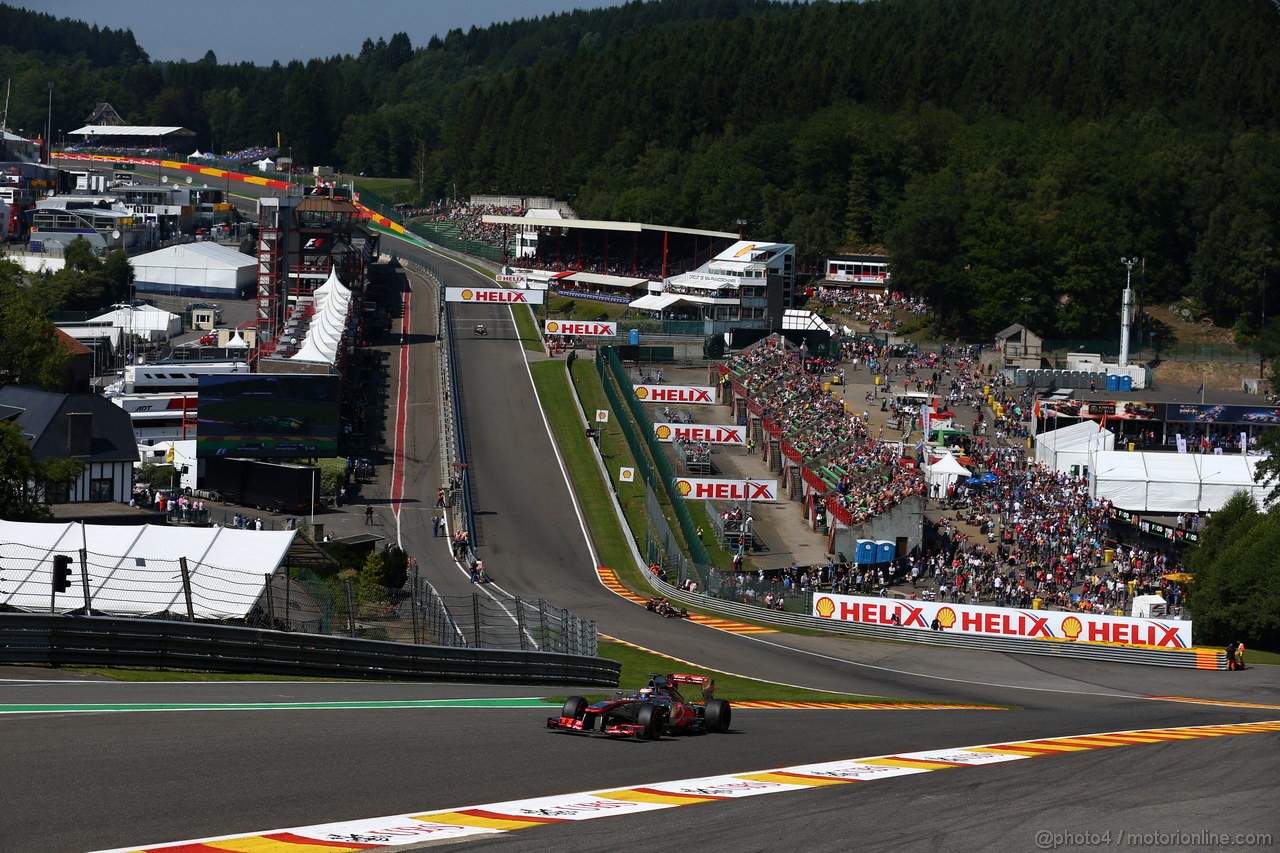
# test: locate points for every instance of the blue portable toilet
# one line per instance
(886, 551)
(635, 337)
(1113, 382)
(864, 552)
(1126, 383)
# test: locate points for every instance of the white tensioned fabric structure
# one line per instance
(331, 301)
(945, 471)
(1174, 482)
(135, 571)
(1059, 449)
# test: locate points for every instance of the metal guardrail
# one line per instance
(1008, 645)
(103, 641)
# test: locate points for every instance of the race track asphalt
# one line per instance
(78, 781)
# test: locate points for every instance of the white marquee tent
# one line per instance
(145, 321)
(134, 570)
(1173, 482)
(1059, 449)
(943, 473)
(195, 269)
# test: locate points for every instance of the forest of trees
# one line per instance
(1004, 152)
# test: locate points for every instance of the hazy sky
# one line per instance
(260, 31)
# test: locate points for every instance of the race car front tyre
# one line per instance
(650, 719)
(573, 707)
(718, 715)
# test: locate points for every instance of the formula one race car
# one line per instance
(655, 710)
(665, 608)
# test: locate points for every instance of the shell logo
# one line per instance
(946, 617)
(552, 327)
(468, 294)
(663, 432)
(825, 607)
(1071, 627)
(642, 393)
(683, 487)
(747, 248)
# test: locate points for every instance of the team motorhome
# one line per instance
(160, 417)
(170, 376)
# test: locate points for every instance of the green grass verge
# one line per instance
(393, 190)
(1260, 657)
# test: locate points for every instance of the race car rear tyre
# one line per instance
(650, 719)
(717, 716)
(573, 707)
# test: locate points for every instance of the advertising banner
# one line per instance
(493, 295)
(583, 328)
(519, 280)
(1005, 621)
(710, 433)
(1203, 414)
(701, 395)
(719, 489)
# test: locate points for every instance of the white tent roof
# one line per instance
(1060, 448)
(793, 319)
(134, 570)
(202, 256)
(332, 300)
(1174, 482)
(143, 318)
(236, 342)
(948, 464)
(656, 301)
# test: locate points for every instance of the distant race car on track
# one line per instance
(648, 714)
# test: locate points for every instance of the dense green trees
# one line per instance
(1236, 592)
(1005, 152)
(29, 350)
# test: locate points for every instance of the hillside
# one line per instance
(998, 149)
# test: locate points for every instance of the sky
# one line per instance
(261, 31)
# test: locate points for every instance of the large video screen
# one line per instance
(268, 416)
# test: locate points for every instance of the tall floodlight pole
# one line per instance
(1126, 309)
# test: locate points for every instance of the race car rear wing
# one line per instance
(708, 685)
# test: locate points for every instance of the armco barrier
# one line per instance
(103, 641)
(1191, 658)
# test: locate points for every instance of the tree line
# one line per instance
(1006, 153)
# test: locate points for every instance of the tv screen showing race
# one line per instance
(268, 416)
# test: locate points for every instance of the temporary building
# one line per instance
(1166, 483)
(143, 321)
(943, 472)
(266, 164)
(136, 571)
(195, 269)
(1060, 449)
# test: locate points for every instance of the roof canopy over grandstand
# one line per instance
(531, 219)
(126, 135)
